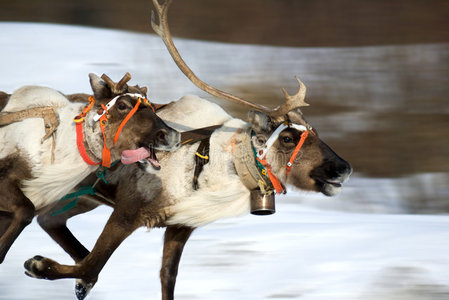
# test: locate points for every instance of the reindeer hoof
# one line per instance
(82, 288)
(34, 266)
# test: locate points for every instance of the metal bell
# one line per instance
(261, 204)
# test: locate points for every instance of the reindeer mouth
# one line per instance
(328, 187)
(334, 183)
(143, 155)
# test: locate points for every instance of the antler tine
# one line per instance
(161, 11)
(108, 80)
(121, 85)
(293, 101)
(163, 31)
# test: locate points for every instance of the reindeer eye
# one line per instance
(287, 139)
(122, 106)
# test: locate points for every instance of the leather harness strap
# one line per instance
(201, 135)
(201, 159)
(47, 113)
(246, 165)
(196, 135)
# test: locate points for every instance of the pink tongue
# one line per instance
(132, 156)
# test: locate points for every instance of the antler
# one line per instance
(119, 87)
(164, 32)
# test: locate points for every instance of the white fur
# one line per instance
(191, 112)
(221, 193)
(50, 181)
(34, 96)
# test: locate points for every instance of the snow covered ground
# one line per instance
(298, 253)
(359, 245)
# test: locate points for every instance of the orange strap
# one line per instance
(80, 144)
(106, 152)
(296, 151)
(130, 114)
(79, 119)
(278, 186)
(106, 161)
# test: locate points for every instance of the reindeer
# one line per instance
(35, 172)
(275, 148)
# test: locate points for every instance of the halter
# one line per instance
(260, 156)
(102, 117)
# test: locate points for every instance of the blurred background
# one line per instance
(377, 72)
(377, 76)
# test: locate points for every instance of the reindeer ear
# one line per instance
(137, 89)
(144, 89)
(260, 122)
(99, 87)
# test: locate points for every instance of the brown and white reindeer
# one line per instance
(36, 172)
(288, 149)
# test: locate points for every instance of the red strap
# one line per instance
(80, 142)
(79, 119)
(276, 182)
(296, 151)
(130, 114)
(106, 152)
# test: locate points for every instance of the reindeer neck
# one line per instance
(93, 138)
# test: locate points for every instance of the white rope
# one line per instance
(274, 136)
(112, 103)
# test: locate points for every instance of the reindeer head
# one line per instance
(306, 163)
(314, 168)
(131, 124)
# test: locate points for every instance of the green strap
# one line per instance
(85, 190)
(259, 165)
(102, 171)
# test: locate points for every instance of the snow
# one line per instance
(359, 245)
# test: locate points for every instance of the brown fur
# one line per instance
(4, 97)
(145, 128)
(18, 209)
(132, 209)
(79, 97)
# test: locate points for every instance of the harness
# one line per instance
(201, 135)
(89, 190)
(47, 113)
(261, 155)
(251, 166)
(102, 116)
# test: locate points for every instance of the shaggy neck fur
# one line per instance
(49, 182)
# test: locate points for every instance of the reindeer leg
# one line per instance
(120, 225)
(56, 227)
(21, 211)
(174, 241)
(5, 221)
(17, 210)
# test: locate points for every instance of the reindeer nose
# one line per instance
(170, 138)
(162, 136)
(344, 169)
